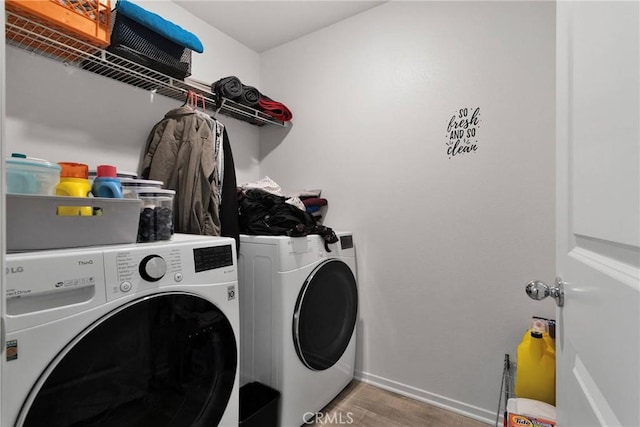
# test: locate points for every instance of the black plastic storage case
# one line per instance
(137, 43)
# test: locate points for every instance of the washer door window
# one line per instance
(325, 315)
(167, 360)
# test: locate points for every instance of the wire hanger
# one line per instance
(187, 98)
(194, 100)
(217, 110)
(201, 98)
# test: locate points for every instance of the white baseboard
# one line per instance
(461, 408)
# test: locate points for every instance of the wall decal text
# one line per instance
(462, 132)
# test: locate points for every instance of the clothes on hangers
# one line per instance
(190, 152)
(217, 129)
(229, 203)
(180, 153)
(220, 149)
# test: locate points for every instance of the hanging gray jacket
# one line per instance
(180, 153)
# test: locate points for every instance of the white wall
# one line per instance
(445, 244)
(62, 113)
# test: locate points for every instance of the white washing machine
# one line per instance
(298, 313)
(122, 335)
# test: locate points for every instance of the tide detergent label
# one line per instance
(516, 420)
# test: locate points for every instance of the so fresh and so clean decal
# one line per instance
(462, 132)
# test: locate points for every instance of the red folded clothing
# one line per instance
(315, 201)
(275, 109)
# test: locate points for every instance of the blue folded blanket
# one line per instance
(165, 28)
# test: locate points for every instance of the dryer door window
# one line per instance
(325, 315)
(166, 360)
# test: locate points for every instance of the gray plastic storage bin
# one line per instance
(259, 406)
(33, 222)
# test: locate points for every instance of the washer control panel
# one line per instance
(212, 257)
(135, 269)
(142, 267)
(152, 268)
(43, 286)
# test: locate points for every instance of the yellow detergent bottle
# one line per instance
(74, 182)
(536, 365)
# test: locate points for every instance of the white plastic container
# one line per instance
(26, 175)
(131, 186)
(33, 222)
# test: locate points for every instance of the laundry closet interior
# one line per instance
(443, 230)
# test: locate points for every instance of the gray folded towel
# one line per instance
(229, 87)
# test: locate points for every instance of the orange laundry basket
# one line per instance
(63, 28)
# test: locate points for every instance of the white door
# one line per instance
(598, 212)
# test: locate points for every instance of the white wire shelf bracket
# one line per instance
(48, 42)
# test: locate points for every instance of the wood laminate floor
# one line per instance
(363, 405)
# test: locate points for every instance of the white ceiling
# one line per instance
(261, 24)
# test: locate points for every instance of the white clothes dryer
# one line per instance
(298, 311)
(123, 335)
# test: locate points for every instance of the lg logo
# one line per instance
(14, 270)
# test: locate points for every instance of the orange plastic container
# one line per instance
(86, 20)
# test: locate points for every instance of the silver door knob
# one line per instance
(538, 290)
